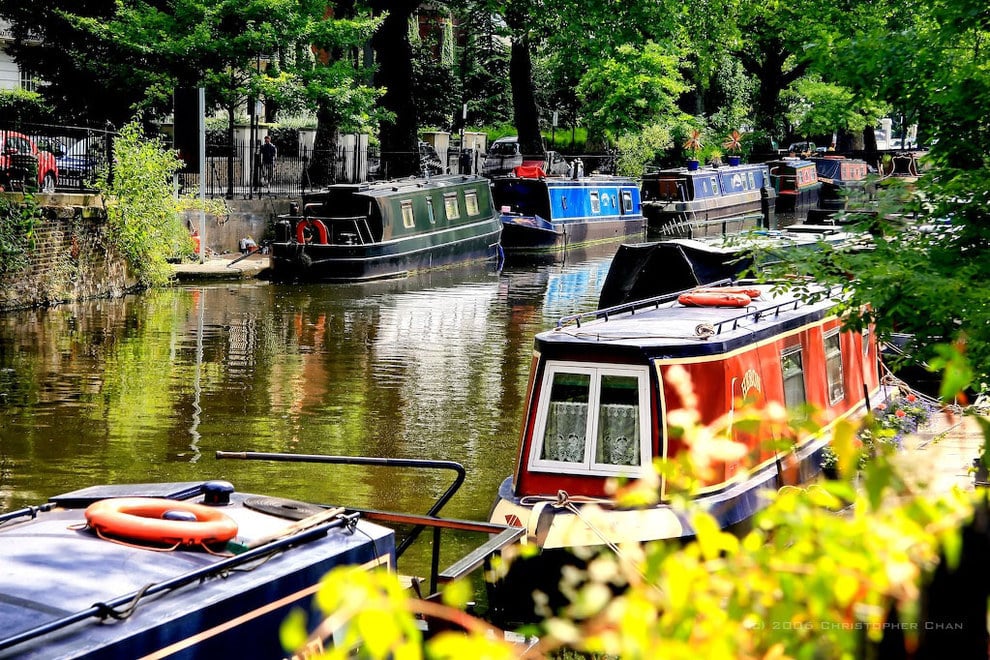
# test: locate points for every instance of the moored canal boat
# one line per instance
(603, 387)
(195, 569)
(840, 177)
(687, 202)
(364, 231)
(547, 213)
(797, 185)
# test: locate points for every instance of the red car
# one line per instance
(14, 148)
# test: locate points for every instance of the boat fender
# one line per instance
(159, 520)
(304, 232)
(714, 299)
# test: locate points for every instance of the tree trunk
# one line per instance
(527, 114)
(320, 172)
(399, 138)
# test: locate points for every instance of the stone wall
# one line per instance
(71, 257)
(244, 217)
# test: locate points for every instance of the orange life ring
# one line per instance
(714, 298)
(142, 519)
(745, 290)
(321, 229)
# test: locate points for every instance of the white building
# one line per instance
(11, 76)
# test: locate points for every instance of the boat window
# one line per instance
(833, 367)
(793, 369)
(596, 205)
(714, 186)
(866, 341)
(611, 440)
(627, 203)
(451, 207)
(429, 211)
(752, 180)
(471, 202)
(408, 217)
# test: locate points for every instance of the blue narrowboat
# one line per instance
(541, 213)
(686, 202)
(366, 231)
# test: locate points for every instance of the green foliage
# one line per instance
(17, 223)
(639, 149)
(142, 210)
(819, 108)
(18, 105)
(633, 87)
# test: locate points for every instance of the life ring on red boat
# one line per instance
(752, 292)
(158, 520)
(714, 299)
(304, 232)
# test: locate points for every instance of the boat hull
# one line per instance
(521, 234)
(52, 569)
(293, 261)
(705, 217)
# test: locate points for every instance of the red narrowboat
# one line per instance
(603, 387)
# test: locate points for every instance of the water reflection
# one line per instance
(148, 387)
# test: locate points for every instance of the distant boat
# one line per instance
(684, 202)
(545, 213)
(797, 185)
(841, 178)
(353, 232)
(193, 569)
(601, 390)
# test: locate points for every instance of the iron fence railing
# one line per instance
(67, 158)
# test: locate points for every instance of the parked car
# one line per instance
(504, 155)
(19, 155)
(80, 163)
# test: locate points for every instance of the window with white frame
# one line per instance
(833, 367)
(627, 202)
(792, 366)
(592, 419)
(27, 80)
(471, 202)
(596, 205)
(408, 216)
(450, 206)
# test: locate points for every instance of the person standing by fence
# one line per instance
(269, 152)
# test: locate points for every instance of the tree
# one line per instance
(70, 64)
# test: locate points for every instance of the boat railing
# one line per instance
(501, 535)
(717, 326)
(345, 230)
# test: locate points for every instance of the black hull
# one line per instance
(294, 261)
(682, 220)
(799, 203)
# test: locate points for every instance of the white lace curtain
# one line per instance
(567, 428)
(618, 433)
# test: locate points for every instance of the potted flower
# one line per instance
(693, 144)
(733, 145)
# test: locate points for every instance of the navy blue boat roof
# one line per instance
(672, 330)
(52, 569)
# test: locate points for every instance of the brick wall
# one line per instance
(71, 260)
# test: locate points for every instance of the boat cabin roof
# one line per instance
(378, 189)
(664, 328)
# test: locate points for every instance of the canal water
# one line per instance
(148, 387)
